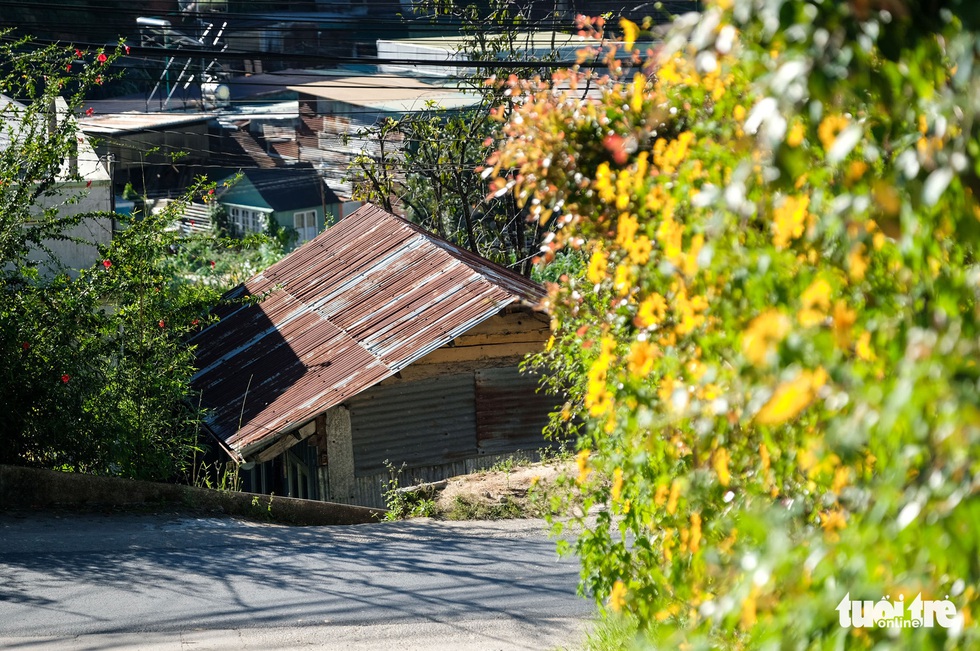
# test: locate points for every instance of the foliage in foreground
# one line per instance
(94, 371)
(775, 342)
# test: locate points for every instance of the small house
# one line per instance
(376, 345)
(295, 198)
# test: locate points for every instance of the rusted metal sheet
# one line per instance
(353, 306)
(510, 413)
(417, 423)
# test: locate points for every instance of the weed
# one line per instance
(262, 507)
(613, 632)
(402, 503)
(220, 476)
(518, 459)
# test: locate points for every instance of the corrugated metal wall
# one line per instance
(510, 413)
(443, 427)
(425, 422)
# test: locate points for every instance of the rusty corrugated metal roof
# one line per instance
(351, 307)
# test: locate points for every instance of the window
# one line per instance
(246, 221)
(305, 224)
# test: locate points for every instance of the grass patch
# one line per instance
(467, 508)
(614, 633)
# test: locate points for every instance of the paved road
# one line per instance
(182, 582)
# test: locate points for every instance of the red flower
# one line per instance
(107, 263)
(212, 264)
(98, 80)
(68, 68)
(65, 378)
(88, 184)
(194, 322)
(162, 324)
(79, 53)
(127, 48)
(102, 58)
(89, 111)
(25, 345)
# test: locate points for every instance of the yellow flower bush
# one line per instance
(774, 342)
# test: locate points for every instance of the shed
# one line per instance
(374, 344)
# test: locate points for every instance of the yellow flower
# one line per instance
(626, 228)
(789, 220)
(832, 522)
(598, 264)
(639, 85)
(857, 262)
(796, 133)
(639, 250)
(694, 541)
(667, 72)
(763, 335)
(617, 485)
(844, 318)
(642, 356)
(617, 598)
(660, 496)
(652, 311)
(669, 156)
(748, 617)
(689, 311)
(817, 295)
(863, 347)
(670, 236)
(764, 457)
(675, 493)
(604, 183)
(666, 388)
(815, 303)
(598, 400)
(582, 460)
(720, 462)
(640, 176)
(855, 171)
(623, 279)
(739, 113)
(792, 397)
(667, 545)
(689, 262)
(829, 129)
(630, 32)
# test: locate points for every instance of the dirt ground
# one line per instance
(518, 491)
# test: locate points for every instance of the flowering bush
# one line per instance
(94, 368)
(774, 344)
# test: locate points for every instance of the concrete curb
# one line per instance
(35, 488)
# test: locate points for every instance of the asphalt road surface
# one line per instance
(172, 581)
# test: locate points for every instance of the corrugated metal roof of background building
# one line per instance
(351, 307)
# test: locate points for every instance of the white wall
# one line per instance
(77, 255)
(94, 194)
